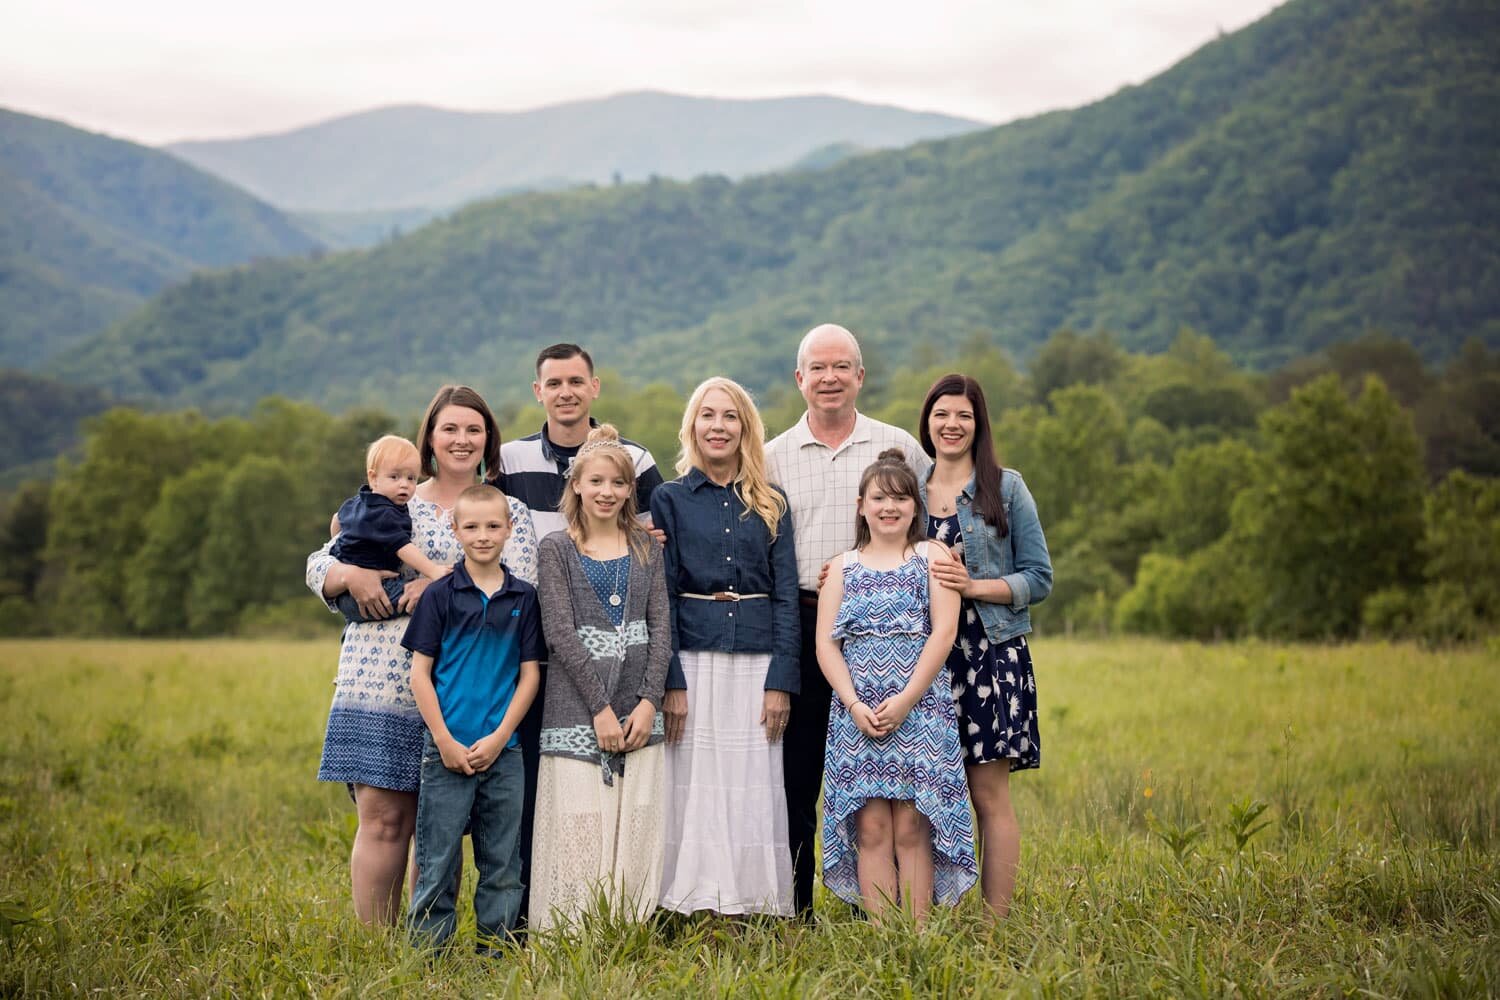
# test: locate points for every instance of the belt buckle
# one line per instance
(726, 595)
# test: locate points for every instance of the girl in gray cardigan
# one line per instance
(605, 612)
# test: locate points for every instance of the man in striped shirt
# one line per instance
(818, 461)
(536, 466)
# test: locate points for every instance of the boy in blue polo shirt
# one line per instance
(476, 639)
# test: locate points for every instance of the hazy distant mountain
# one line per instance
(91, 226)
(422, 157)
(826, 156)
(1327, 170)
(362, 229)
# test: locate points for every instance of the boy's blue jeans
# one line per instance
(489, 803)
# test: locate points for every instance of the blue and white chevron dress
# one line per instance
(884, 621)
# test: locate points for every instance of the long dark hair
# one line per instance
(461, 395)
(987, 499)
(892, 474)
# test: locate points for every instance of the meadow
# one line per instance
(1209, 820)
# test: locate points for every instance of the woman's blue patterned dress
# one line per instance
(884, 621)
(375, 732)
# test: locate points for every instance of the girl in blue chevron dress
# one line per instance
(896, 825)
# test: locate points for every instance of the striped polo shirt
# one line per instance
(535, 473)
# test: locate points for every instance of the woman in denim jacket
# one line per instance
(986, 516)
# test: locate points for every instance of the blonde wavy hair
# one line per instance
(750, 483)
(604, 443)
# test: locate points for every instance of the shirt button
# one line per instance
(726, 531)
(726, 503)
(729, 558)
(731, 614)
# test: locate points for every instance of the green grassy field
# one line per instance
(161, 833)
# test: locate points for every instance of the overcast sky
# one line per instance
(161, 70)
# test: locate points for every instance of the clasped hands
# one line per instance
(615, 738)
(472, 759)
(885, 718)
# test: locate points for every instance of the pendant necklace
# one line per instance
(614, 598)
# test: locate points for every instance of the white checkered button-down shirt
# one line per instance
(822, 485)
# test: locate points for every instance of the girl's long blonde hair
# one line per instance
(750, 483)
(604, 443)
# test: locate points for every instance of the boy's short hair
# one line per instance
(562, 352)
(386, 451)
(482, 493)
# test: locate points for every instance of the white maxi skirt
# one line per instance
(726, 837)
(593, 841)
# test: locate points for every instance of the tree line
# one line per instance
(1350, 493)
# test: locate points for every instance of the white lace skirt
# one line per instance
(593, 842)
(726, 839)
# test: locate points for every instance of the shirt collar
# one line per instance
(547, 448)
(371, 497)
(803, 435)
(463, 581)
(696, 477)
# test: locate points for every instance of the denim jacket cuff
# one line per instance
(784, 674)
(676, 679)
(1020, 590)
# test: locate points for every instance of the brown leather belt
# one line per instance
(723, 595)
(807, 598)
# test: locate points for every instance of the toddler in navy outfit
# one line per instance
(373, 527)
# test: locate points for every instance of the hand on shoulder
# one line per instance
(947, 569)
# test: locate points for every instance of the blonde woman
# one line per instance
(732, 573)
(607, 620)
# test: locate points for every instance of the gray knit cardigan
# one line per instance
(591, 663)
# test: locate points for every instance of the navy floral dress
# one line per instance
(993, 686)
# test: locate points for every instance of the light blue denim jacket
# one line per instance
(1020, 558)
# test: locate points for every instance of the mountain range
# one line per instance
(1324, 171)
(91, 226)
(415, 157)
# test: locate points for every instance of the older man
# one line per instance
(818, 462)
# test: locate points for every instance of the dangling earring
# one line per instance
(481, 470)
(432, 462)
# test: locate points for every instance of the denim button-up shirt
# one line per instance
(1020, 558)
(713, 546)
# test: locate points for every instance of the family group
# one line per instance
(633, 693)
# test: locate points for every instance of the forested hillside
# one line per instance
(91, 226)
(421, 157)
(39, 417)
(1325, 171)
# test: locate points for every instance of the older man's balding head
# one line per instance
(827, 333)
(829, 374)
